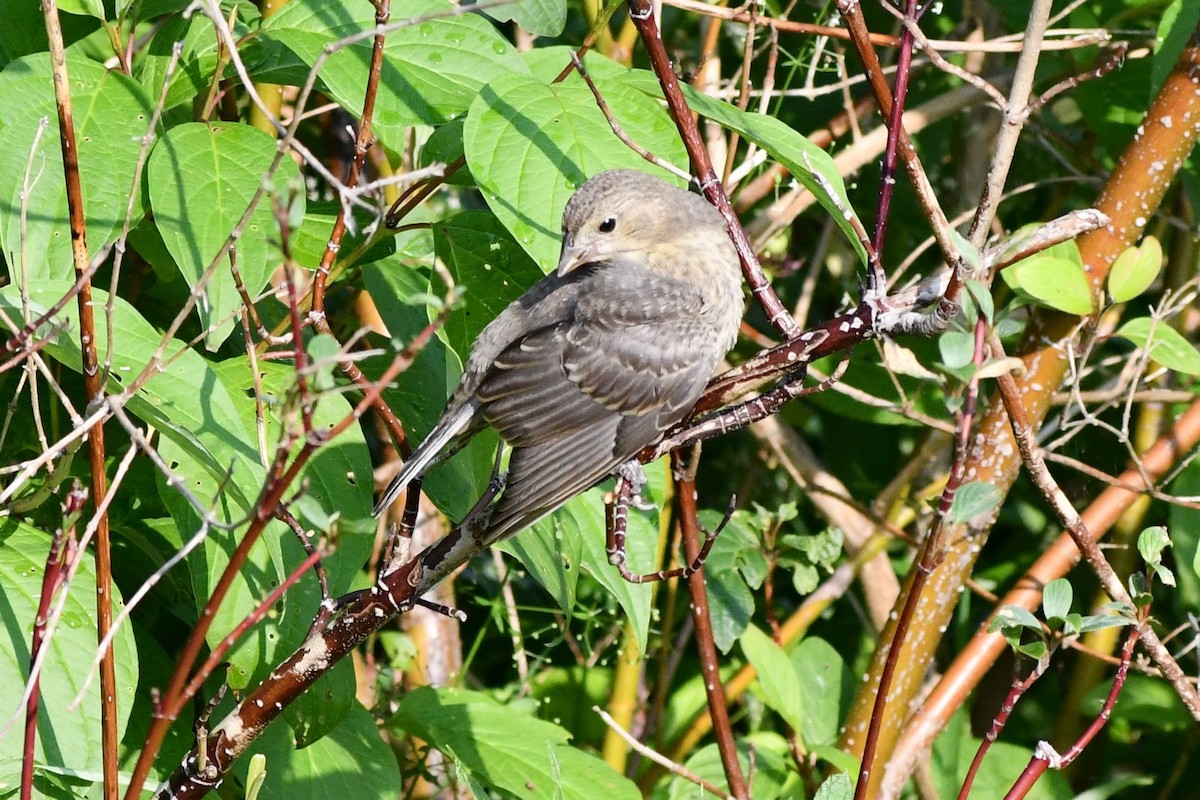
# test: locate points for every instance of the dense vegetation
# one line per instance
(252, 282)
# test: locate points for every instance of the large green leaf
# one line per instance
(432, 69)
(492, 269)
(530, 145)
(1163, 343)
(67, 737)
(201, 180)
(540, 17)
(111, 113)
(478, 734)
(351, 761)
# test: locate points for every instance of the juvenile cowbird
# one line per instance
(601, 356)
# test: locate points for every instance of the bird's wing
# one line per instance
(578, 398)
(638, 348)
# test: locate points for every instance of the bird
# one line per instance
(601, 356)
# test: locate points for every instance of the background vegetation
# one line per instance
(251, 278)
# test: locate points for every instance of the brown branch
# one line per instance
(94, 389)
(62, 551)
(710, 666)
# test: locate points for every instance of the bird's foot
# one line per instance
(632, 473)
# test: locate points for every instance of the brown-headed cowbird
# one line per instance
(600, 357)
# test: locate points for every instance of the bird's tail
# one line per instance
(427, 454)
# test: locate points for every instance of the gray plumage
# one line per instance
(601, 356)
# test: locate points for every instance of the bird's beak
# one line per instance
(574, 255)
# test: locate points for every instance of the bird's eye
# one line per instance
(608, 225)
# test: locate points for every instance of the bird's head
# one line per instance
(623, 215)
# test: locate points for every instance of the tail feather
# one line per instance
(427, 454)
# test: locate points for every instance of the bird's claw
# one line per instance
(632, 473)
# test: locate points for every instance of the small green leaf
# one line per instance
(982, 295)
(1139, 588)
(90, 8)
(539, 17)
(1164, 344)
(957, 348)
(1134, 270)
(973, 500)
(1014, 617)
(835, 787)
(1056, 599)
(968, 251)
(256, 774)
(776, 675)
(1055, 282)
(1095, 622)
(1036, 649)
(1152, 542)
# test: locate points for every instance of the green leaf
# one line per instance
(112, 113)
(483, 257)
(530, 145)
(90, 8)
(351, 761)
(1163, 343)
(1057, 282)
(1151, 543)
(957, 348)
(69, 738)
(973, 500)
(981, 295)
(731, 603)
(826, 690)
(765, 755)
(775, 674)
(551, 551)
(1056, 599)
(1095, 622)
(1135, 270)
(479, 734)
(835, 787)
(539, 17)
(201, 180)
(323, 352)
(1014, 617)
(432, 70)
(807, 163)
